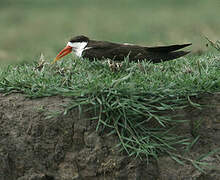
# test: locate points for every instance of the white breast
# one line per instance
(78, 47)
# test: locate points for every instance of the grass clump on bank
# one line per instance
(135, 103)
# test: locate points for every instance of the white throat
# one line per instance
(78, 47)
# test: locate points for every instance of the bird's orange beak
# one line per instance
(64, 52)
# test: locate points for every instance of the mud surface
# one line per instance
(35, 147)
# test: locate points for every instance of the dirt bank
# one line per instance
(34, 147)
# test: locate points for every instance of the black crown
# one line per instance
(80, 38)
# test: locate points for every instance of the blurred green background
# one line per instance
(28, 28)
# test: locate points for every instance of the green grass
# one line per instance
(181, 77)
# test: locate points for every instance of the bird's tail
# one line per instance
(169, 56)
(167, 48)
(166, 53)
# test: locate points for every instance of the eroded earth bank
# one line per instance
(34, 146)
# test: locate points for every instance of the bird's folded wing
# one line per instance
(167, 48)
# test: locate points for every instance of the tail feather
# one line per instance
(167, 48)
(168, 56)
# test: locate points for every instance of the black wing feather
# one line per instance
(167, 48)
(107, 50)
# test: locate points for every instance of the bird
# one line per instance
(86, 48)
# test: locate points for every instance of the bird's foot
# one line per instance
(114, 66)
(41, 63)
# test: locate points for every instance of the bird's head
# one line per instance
(75, 44)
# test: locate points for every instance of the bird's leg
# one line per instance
(41, 63)
(114, 66)
(140, 66)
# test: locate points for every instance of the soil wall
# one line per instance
(35, 147)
